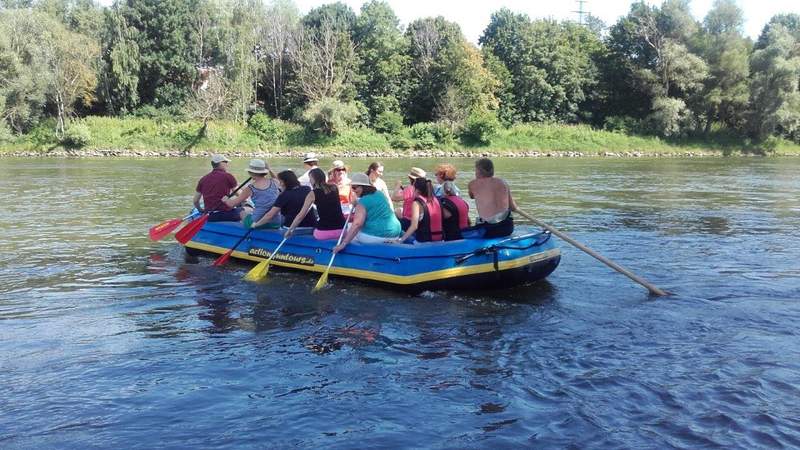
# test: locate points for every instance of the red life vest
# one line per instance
(463, 210)
(430, 227)
(408, 198)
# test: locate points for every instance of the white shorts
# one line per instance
(365, 238)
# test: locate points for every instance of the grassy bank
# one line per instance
(188, 137)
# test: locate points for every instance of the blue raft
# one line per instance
(526, 256)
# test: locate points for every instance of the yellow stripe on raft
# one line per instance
(390, 278)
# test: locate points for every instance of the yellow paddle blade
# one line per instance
(323, 280)
(255, 273)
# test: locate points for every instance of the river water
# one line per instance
(110, 340)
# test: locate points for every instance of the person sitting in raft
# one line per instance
(374, 221)
(493, 200)
(262, 191)
(425, 223)
(338, 177)
(310, 161)
(375, 172)
(407, 194)
(289, 203)
(213, 188)
(445, 172)
(455, 212)
(326, 198)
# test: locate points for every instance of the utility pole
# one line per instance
(581, 12)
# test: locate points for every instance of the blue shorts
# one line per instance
(232, 215)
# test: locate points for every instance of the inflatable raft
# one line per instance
(528, 255)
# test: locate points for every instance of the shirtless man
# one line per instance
(493, 200)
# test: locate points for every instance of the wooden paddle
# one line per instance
(653, 289)
(187, 233)
(225, 256)
(262, 269)
(323, 280)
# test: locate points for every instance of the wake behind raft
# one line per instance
(526, 256)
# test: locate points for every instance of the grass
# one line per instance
(140, 134)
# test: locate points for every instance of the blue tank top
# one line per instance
(264, 199)
(381, 220)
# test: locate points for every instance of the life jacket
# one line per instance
(459, 217)
(430, 227)
(344, 194)
(409, 193)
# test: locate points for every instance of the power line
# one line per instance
(581, 12)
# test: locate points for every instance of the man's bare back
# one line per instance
(492, 196)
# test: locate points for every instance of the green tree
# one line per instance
(121, 64)
(274, 49)
(383, 58)
(166, 38)
(774, 96)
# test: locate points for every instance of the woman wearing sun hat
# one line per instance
(374, 221)
(408, 193)
(261, 191)
(338, 177)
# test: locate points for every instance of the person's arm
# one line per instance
(512, 205)
(446, 213)
(414, 223)
(267, 217)
(397, 195)
(359, 218)
(196, 201)
(469, 189)
(236, 201)
(301, 215)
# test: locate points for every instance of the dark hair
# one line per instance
(424, 186)
(317, 177)
(215, 165)
(485, 166)
(289, 179)
(373, 167)
(366, 190)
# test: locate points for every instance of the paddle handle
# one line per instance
(339, 241)
(269, 260)
(650, 287)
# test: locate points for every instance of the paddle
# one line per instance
(157, 232)
(653, 289)
(225, 256)
(323, 280)
(261, 269)
(187, 233)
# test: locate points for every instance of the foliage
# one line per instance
(428, 135)
(388, 122)
(670, 118)
(330, 116)
(480, 128)
(267, 129)
(77, 136)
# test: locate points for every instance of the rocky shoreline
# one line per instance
(377, 154)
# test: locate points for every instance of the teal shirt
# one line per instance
(381, 220)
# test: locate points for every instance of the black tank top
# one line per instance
(329, 209)
(450, 226)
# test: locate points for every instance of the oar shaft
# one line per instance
(565, 237)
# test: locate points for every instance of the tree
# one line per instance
(774, 96)
(121, 61)
(383, 58)
(166, 38)
(211, 100)
(274, 49)
(323, 61)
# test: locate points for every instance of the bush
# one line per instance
(431, 135)
(621, 124)
(388, 122)
(670, 118)
(167, 113)
(267, 129)
(330, 116)
(5, 133)
(76, 136)
(401, 142)
(480, 128)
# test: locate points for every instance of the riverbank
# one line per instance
(93, 137)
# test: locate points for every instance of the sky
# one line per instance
(473, 16)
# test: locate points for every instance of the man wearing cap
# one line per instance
(407, 194)
(213, 188)
(310, 161)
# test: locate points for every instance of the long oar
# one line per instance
(187, 233)
(225, 256)
(261, 269)
(653, 289)
(158, 232)
(323, 280)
